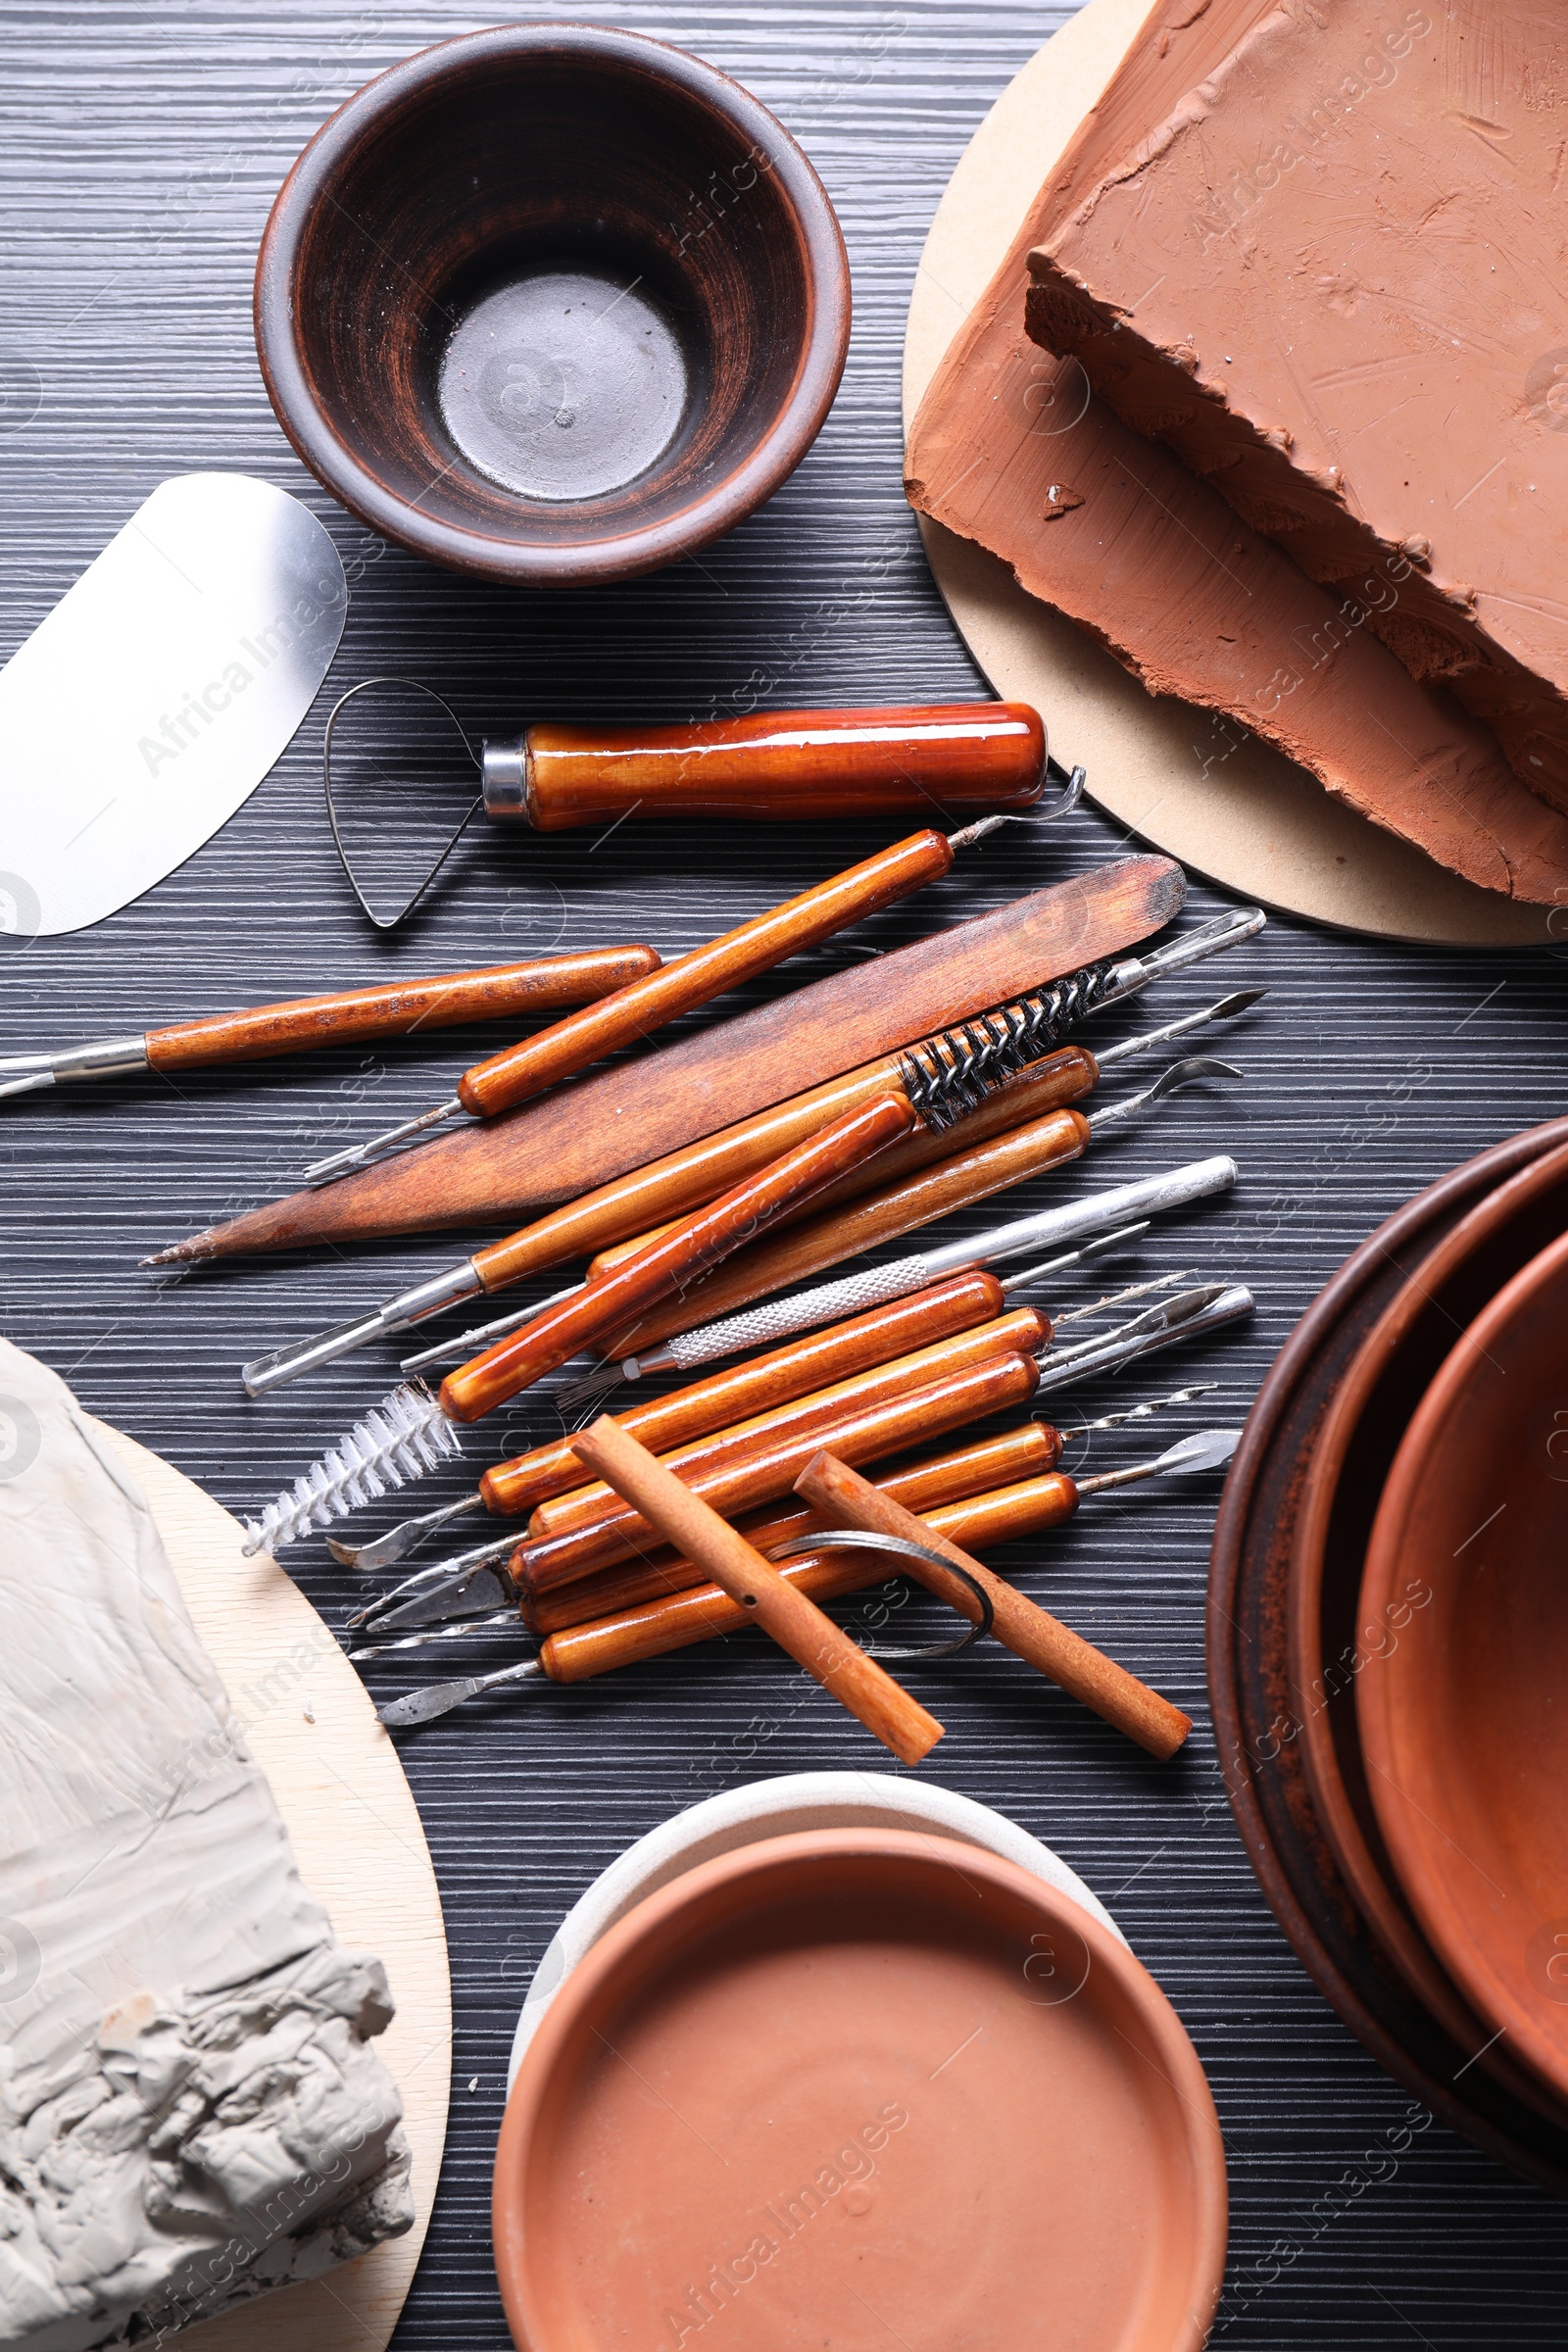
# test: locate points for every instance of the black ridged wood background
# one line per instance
(142, 148)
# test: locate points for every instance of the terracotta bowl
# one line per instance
(844, 2089)
(1333, 1643)
(551, 304)
(1465, 1728)
(1256, 1717)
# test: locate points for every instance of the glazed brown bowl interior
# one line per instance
(552, 302)
(1330, 1646)
(1464, 1727)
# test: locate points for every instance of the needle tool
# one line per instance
(444, 1002)
(706, 1611)
(383, 1452)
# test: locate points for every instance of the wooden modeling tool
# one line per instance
(498, 1171)
(408, 1434)
(1014, 1456)
(802, 1365)
(503, 991)
(704, 1611)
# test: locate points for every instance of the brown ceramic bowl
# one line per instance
(1332, 1643)
(837, 2089)
(551, 304)
(1465, 1728)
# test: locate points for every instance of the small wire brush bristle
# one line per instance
(952, 1073)
(407, 1435)
(578, 1401)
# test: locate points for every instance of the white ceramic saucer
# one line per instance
(802, 1800)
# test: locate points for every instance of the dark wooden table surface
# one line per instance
(142, 145)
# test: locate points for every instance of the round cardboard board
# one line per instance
(359, 1845)
(1256, 823)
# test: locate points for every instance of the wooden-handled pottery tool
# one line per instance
(519, 1072)
(1024, 1452)
(767, 767)
(499, 992)
(408, 1434)
(738, 1465)
(703, 1611)
(679, 1255)
(498, 1171)
(981, 1079)
(804, 1365)
(761, 1271)
(769, 1600)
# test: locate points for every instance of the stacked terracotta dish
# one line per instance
(1388, 1646)
(1267, 396)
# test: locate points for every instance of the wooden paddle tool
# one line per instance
(981, 1082)
(445, 1002)
(499, 1170)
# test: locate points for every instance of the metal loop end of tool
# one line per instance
(859, 1539)
(1169, 1082)
(390, 922)
(1072, 792)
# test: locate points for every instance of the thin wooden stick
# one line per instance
(795, 1622)
(845, 1500)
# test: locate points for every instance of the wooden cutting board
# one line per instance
(361, 1849)
(1258, 824)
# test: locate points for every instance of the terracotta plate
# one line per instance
(849, 2089)
(1466, 1729)
(1333, 1643)
(1257, 1722)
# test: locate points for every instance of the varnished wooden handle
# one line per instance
(635, 1012)
(503, 990)
(881, 1216)
(869, 1434)
(795, 1622)
(640, 1202)
(682, 1257)
(1024, 1332)
(1016, 1453)
(1047, 1086)
(797, 1369)
(774, 767)
(832, 1488)
(703, 1610)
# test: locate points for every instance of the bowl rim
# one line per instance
(615, 1957)
(710, 512)
(1386, 1909)
(1384, 1718)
